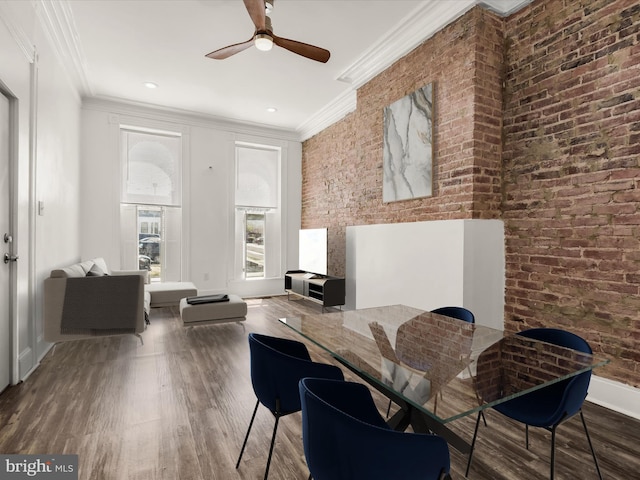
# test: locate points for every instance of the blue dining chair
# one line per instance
(277, 365)
(460, 313)
(345, 438)
(463, 314)
(550, 406)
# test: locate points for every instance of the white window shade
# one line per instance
(151, 168)
(257, 176)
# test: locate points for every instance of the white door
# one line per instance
(5, 242)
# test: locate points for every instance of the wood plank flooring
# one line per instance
(178, 407)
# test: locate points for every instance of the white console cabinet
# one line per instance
(429, 265)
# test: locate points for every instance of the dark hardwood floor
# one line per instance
(178, 407)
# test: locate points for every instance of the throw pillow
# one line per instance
(95, 271)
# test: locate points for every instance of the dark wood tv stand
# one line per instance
(326, 290)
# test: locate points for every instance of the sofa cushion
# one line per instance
(96, 271)
(87, 265)
(71, 271)
(99, 261)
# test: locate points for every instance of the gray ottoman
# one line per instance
(235, 310)
(167, 294)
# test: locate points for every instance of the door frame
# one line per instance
(13, 271)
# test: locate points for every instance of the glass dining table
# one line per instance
(438, 369)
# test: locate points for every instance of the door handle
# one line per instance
(10, 258)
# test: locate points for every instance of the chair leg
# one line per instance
(273, 441)
(553, 452)
(475, 388)
(593, 452)
(473, 444)
(388, 408)
(246, 437)
(526, 436)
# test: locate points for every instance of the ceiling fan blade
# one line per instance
(314, 53)
(226, 52)
(257, 13)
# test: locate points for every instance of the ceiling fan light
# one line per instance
(263, 42)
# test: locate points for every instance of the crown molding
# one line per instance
(421, 24)
(20, 37)
(59, 25)
(504, 8)
(170, 115)
(341, 106)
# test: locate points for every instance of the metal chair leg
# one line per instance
(473, 444)
(246, 437)
(273, 441)
(553, 452)
(593, 452)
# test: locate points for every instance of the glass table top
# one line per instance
(446, 367)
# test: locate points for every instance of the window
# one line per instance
(254, 228)
(257, 198)
(150, 208)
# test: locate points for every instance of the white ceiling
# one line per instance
(114, 46)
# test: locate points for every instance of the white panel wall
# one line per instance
(429, 265)
(57, 182)
(47, 170)
(208, 169)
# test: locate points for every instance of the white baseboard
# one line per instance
(615, 396)
(26, 364)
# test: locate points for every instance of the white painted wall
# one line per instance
(208, 172)
(429, 265)
(48, 108)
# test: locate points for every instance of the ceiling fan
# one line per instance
(264, 38)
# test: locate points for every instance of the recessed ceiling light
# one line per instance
(272, 109)
(150, 85)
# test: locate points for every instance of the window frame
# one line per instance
(273, 220)
(172, 262)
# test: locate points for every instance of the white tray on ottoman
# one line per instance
(235, 310)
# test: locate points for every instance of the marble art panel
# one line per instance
(408, 147)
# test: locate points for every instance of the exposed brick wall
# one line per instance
(555, 154)
(329, 172)
(571, 174)
(342, 166)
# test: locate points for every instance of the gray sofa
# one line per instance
(88, 299)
